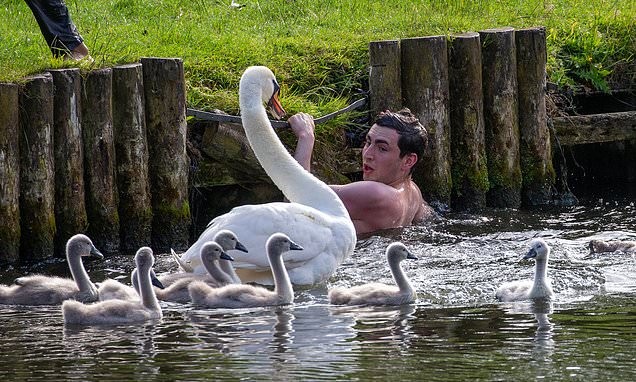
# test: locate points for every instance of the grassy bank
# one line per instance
(318, 49)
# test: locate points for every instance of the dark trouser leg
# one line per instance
(55, 23)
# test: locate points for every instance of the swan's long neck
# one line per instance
(228, 268)
(282, 284)
(212, 266)
(297, 184)
(540, 272)
(146, 293)
(399, 276)
(78, 272)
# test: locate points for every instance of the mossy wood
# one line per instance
(164, 88)
(384, 76)
(131, 151)
(425, 92)
(99, 161)
(534, 142)
(468, 150)
(9, 173)
(70, 206)
(595, 128)
(499, 79)
(37, 188)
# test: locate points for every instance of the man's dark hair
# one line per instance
(413, 136)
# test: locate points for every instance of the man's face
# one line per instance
(381, 160)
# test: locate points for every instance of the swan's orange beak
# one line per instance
(275, 108)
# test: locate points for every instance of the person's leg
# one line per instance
(58, 29)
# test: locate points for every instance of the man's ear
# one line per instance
(410, 160)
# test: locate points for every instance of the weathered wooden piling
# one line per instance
(131, 151)
(9, 173)
(424, 68)
(595, 128)
(468, 150)
(37, 188)
(164, 88)
(99, 161)
(385, 90)
(534, 145)
(68, 151)
(499, 79)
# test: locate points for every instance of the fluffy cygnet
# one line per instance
(378, 293)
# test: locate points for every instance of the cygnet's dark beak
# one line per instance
(155, 281)
(532, 253)
(225, 256)
(240, 247)
(96, 253)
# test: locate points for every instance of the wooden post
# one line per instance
(535, 148)
(164, 88)
(9, 173)
(425, 91)
(70, 206)
(99, 161)
(385, 90)
(470, 170)
(131, 151)
(37, 187)
(499, 77)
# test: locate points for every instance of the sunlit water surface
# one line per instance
(457, 330)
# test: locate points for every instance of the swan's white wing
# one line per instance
(315, 231)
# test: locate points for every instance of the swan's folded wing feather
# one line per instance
(253, 224)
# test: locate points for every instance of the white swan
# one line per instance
(211, 254)
(120, 311)
(52, 290)
(528, 289)
(378, 293)
(315, 216)
(246, 296)
(228, 241)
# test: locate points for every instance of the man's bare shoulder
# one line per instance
(366, 190)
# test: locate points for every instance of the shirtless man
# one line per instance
(387, 197)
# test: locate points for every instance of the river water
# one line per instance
(456, 331)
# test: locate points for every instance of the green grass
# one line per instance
(318, 49)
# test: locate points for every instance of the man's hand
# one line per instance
(302, 124)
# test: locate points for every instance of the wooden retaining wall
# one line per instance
(490, 120)
(75, 155)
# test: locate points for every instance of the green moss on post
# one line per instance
(164, 90)
(425, 92)
(70, 205)
(99, 161)
(499, 77)
(469, 171)
(535, 148)
(131, 146)
(9, 174)
(385, 90)
(37, 187)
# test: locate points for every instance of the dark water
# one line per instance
(457, 330)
